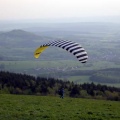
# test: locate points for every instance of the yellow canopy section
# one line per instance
(39, 50)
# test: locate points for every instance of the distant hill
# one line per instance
(19, 38)
(17, 33)
(19, 44)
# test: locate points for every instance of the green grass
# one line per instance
(24, 107)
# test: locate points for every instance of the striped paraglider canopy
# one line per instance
(76, 49)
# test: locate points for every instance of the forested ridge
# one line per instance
(16, 83)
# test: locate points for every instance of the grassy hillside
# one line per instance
(18, 107)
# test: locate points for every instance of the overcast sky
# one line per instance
(44, 9)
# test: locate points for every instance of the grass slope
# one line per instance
(19, 107)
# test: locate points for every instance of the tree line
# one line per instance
(16, 83)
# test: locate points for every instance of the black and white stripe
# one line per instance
(76, 49)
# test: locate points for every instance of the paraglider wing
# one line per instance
(39, 50)
(76, 49)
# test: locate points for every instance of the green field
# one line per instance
(62, 69)
(79, 79)
(24, 107)
(21, 66)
